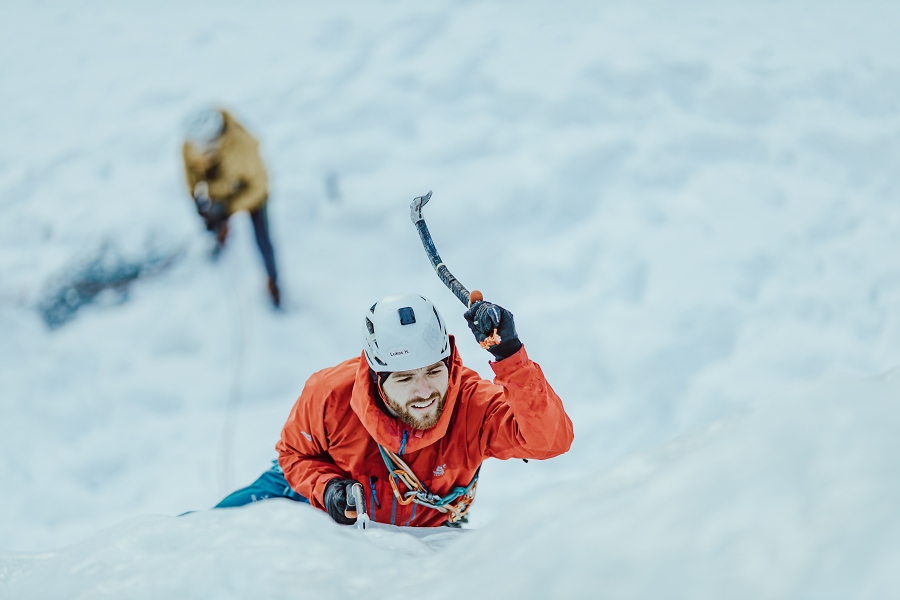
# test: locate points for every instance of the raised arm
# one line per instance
(523, 416)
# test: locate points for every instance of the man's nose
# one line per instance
(422, 389)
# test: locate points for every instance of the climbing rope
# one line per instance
(225, 456)
(455, 504)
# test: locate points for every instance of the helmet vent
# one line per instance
(407, 316)
(438, 317)
(370, 326)
(379, 361)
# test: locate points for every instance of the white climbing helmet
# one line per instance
(402, 333)
(203, 127)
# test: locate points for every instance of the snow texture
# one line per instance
(692, 210)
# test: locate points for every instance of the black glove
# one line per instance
(484, 317)
(213, 213)
(336, 492)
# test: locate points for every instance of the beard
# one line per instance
(404, 414)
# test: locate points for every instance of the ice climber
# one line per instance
(225, 174)
(410, 423)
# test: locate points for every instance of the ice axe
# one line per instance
(357, 499)
(465, 296)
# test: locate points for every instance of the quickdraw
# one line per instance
(455, 504)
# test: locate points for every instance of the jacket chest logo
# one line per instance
(439, 470)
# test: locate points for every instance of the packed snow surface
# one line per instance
(692, 210)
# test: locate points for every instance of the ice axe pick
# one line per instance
(465, 296)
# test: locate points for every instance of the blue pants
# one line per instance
(260, 218)
(270, 484)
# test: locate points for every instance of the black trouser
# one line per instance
(260, 220)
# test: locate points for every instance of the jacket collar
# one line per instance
(389, 431)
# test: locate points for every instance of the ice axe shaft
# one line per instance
(357, 499)
(459, 290)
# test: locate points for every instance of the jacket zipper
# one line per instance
(375, 501)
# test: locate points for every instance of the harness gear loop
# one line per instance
(455, 504)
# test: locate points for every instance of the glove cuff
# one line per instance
(506, 348)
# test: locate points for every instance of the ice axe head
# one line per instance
(415, 208)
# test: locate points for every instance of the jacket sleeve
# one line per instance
(253, 183)
(192, 175)
(302, 450)
(524, 418)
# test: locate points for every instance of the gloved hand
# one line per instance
(213, 213)
(214, 216)
(484, 317)
(336, 492)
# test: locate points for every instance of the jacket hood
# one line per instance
(389, 431)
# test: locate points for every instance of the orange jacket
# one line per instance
(335, 426)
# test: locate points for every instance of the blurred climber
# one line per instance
(225, 174)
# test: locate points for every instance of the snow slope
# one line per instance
(692, 211)
(760, 506)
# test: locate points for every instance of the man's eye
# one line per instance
(402, 379)
(434, 372)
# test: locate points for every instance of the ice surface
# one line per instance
(692, 211)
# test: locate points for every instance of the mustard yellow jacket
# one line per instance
(236, 176)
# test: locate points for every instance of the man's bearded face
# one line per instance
(417, 397)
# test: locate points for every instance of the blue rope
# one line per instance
(387, 460)
(458, 491)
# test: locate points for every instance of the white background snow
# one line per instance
(693, 211)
